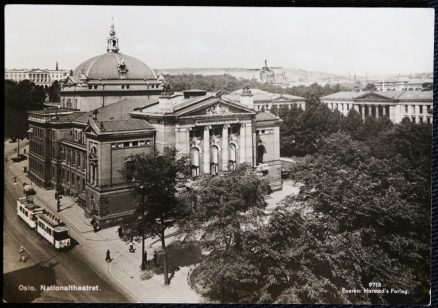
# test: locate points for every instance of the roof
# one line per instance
(119, 110)
(68, 117)
(260, 95)
(105, 66)
(265, 116)
(343, 95)
(409, 95)
(50, 111)
(126, 125)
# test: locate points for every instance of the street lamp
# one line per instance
(143, 261)
(58, 193)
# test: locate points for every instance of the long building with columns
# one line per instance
(114, 106)
(396, 105)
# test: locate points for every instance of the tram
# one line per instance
(53, 230)
(28, 211)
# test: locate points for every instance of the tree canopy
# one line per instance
(154, 178)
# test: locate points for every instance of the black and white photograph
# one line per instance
(213, 154)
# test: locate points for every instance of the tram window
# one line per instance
(62, 235)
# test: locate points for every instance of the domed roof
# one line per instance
(107, 66)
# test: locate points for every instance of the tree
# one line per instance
(19, 99)
(224, 209)
(53, 92)
(154, 179)
(370, 87)
(37, 97)
(363, 217)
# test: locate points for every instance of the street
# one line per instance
(44, 265)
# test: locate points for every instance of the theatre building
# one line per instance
(114, 107)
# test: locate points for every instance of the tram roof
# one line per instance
(52, 220)
(29, 205)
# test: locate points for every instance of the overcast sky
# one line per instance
(333, 40)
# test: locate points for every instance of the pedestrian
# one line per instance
(155, 258)
(131, 247)
(120, 231)
(145, 255)
(108, 256)
(21, 253)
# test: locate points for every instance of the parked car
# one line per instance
(19, 158)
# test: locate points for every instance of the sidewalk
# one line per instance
(124, 270)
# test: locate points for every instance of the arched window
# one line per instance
(214, 160)
(232, 156)
(194, 160)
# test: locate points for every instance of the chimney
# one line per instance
(246, 98)
(165, 103)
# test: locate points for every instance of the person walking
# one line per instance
(108, 256)
(155, 258)
(21, 253)
(131, 247)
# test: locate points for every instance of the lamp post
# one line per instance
(143, 261)
(58, 193)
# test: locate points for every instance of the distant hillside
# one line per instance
(245, 73)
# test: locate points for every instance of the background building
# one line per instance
(40, 77)
(396, 105)
(266, 100)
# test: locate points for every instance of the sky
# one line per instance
(333, 40)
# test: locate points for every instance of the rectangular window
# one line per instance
(126, 144)
(428, 120)
(421, 108)
(406, 108)
(413, 119)
(134, 143)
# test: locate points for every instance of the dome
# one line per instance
(109, 65)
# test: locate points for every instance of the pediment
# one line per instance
(214, 107)
(91, 128)
(371, 97)
(69, 81)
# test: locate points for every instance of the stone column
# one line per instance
(225, 147)
(248, 143)
(242, 144)
(417, 113)
(206, 150)
(384, 110)
(377, 111)
(356, 107)
(392, 116)
(363, 112)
